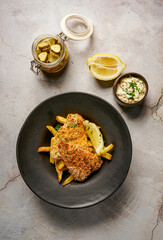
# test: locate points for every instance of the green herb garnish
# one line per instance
(74, 125)
(133, 85)
(57, 126)
(131, 94)
(138, 89)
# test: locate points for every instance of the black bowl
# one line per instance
(40, 175)
(124, 104)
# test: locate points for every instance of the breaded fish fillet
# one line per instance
(71, 144)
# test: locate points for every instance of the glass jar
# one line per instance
(75, 27)
(53, 67)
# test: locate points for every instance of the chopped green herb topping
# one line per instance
(138, 89)
(74, 125)
(57, 126)
(133, 85)
(131, 94)
(55, 153)
(88, 127)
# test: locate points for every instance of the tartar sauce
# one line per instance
(131, 89)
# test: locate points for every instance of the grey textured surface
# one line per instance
(133, 30)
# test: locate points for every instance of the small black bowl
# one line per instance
(124, 104)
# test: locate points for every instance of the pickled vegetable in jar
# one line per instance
(50, 52)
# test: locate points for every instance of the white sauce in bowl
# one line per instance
(131, 89)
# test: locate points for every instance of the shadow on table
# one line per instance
(54, 76)
(106, 211)
(134, 112)
(105, 84)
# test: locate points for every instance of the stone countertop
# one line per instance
(133, 30)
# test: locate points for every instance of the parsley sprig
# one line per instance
(74, 125)
(57, 126)
(133, 86)
(131, 94)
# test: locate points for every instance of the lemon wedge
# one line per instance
(95, 135)
(104, 66)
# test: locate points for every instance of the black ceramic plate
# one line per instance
(40, 175)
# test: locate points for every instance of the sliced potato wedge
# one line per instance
(61, 119)
(68, 180)
(60, 165)
(52, 160)
(106, 149)
(59, 172)
(43, 149)
(52, 130)
(107, 156)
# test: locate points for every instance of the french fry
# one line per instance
(43, 149)
(54, 150)
(52, 160)
(106, 149)
(107, 156)
(52, 146)
(60, 165)
(52, 142)
(61, 119)
(52, 130)
(68, 180)
(59, 172)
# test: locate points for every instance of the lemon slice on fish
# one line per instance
(104, 66)
(95, 135)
